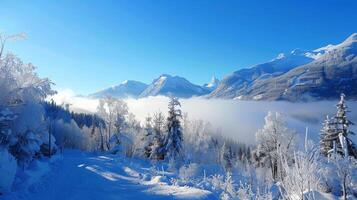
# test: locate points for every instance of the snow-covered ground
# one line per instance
(80, 175)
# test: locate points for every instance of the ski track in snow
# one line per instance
(93, 177)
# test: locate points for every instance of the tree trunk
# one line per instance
(344, 189)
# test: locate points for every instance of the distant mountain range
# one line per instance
(319, 74)
(164, 85)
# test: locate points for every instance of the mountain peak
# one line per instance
(175, 85)
(214, 79)
(352, 38)
(280, 56)
(212, 84)
(125, 82)
(128, 88)
(165, 76)
(296, 53)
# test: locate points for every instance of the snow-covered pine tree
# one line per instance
(173, 143)
(327, 129)
(338, 131)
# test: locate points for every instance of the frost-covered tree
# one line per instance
(21, 93)
(71, 129)
(328, 129)
(173, 143)
(157, 150)
(23, 128)
(272, 137)
(335, 133)
(5, 38)
(344, 167)
(302, 177)
(198, 139)
(227, 157)
(113, 112)
(148, 138)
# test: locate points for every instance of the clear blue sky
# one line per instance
(90, 45)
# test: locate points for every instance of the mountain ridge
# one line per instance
(167, 85)
(299, 75)
(126, 89)
(332, 73)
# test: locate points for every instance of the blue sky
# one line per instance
(90, 45)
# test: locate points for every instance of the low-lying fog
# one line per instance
(237, 119)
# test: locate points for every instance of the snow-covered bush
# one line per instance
(69, 135)
(8, 167)
(344, 169)
(188, 172)
(245, 191)
(229, 188)
(217, 181)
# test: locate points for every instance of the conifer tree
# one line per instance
(173, 143)
(336, 131)
(327, 129)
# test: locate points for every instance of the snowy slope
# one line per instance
(237, 82)
(332, 73)
(173, 85)
(128, 88)
(87, 176)
(322, 73)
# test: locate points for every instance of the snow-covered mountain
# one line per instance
(322, 73)
(128, 88)
(332, 73)
(326, 71)
(232, 85)
(173, 85)
(212, 85)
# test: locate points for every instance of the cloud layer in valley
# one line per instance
(237, 119)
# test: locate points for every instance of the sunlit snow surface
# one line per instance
(87, 176)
